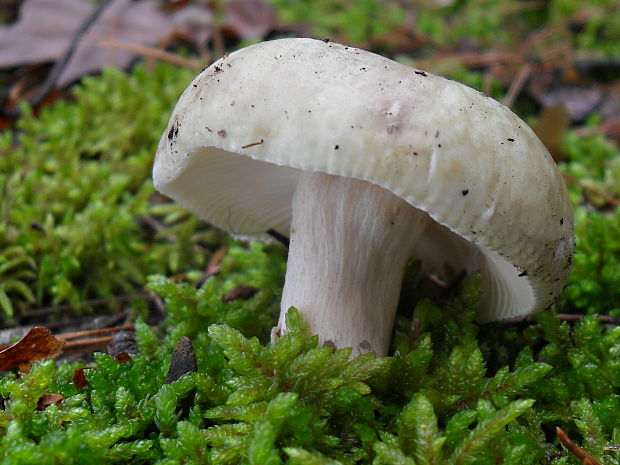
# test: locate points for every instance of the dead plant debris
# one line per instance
(38, 344)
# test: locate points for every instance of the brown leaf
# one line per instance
(49, 399)
(78, 378)
(45, 28)
(196, 21)
(123, 357)
(551, 128)
(241, 291)
(38, 344)
(249, 19)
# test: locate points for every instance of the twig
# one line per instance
(247, 146)
(568, 317)
(78, 334)
(52, 78)
(93, 332)
(81, 344)
(158, 54)
(593, 190)
(610, 128)
(517, 84)
(574, 449)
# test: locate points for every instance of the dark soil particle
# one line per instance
(174, 130)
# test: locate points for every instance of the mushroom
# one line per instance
(367, 163)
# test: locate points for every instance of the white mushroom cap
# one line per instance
(249, 124)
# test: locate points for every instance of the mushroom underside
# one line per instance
(265, 203)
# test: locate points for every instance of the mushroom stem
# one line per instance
(350, 241)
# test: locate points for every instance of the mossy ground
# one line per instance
(79, 219)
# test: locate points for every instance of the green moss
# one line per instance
(453, 392)
(77, 195)
(594, 283)
(79, 219)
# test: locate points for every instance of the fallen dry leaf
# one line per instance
(195, 21)
(78, 377)
(551, 129)
(123, 357)
(45, 27)
(49, 399)
(249, 19)
(38, 344)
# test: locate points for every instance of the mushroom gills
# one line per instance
(350, 241)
